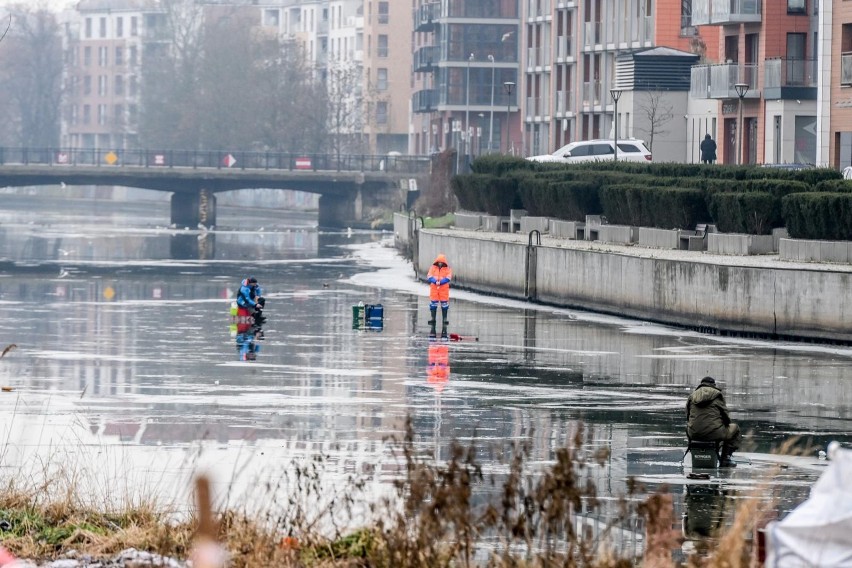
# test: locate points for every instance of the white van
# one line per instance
(629, 150)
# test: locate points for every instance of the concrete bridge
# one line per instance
(346, 184)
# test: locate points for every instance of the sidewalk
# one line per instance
(755, 261)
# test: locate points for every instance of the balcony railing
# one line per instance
(593, 33)
(424, 101)
(425, 16)
(724, 12)
(783, 72)
(564, 47)
(564, 103)
(846, 68)
(538, 56)
(538, 8)
(426, 57)
(687, 29)
(648, 29)
(717, 81)
(592, 93)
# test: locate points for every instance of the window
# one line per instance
(796, 7)
(382, 79)
(87, 85)
(119, 56)
(582, 150)
(382, 48)
(119, 84)
(602, 149)
(119, 27)
(384, 15)
(102, 27)
(87, 56)
(381, 112)
(134, 55)
(271, 18)
(134, 26)
(103, 85)
(88, 27)
(87, 114)
(631, 148)
(103, 56)
(132, 88)
(102, 114)
(74, 114)
(119, 114)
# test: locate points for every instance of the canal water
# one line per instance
(126, 370)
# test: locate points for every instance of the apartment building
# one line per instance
(103, 49)
(569, 61)
(834, 84)
(764, 67)
(465, 76)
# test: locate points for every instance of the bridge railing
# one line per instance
(215, 159)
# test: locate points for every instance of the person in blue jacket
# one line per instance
(250, 297)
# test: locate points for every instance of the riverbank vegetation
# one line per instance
(441, 514)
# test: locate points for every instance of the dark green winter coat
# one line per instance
(706, 414)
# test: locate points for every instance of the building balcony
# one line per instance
(537, 107)
(538, 56)
(593, 34)
(322, 27)
(425, 58)
(424, 101)
(538, 8)
(846, 69)
(564, 48)
(564, 103)
(725, 12)
(425, 16)
(717, 81)
(592, 93)
(789, 79)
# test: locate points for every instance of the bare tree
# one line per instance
(346, 106)
(657, 112)
(31, 77)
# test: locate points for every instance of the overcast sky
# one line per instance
(57, 4)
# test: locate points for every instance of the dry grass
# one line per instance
(436, 518)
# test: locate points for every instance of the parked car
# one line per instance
(629, 150)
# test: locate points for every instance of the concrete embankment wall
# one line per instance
(794, 303)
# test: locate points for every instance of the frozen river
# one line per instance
(125, 367)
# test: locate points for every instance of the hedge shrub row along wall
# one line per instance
(743, 199)
(819, 215)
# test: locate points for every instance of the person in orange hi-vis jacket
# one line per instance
(439, 278)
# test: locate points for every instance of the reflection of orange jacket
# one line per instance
(438, 374)
(440, 292)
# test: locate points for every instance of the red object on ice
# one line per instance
(6, 557)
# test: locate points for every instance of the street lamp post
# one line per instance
(615, 94)
(741, 89)
(509, 87)
(491, 122)
(467, 115)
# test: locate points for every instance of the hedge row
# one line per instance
(825, 216)
(742, 199)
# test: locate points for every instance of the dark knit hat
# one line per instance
(708, 381)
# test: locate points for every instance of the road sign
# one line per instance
(62, 157)
(111, 158)
(159, 160)
(303, 163)
(228, 161)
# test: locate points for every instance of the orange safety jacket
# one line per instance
(439, 292)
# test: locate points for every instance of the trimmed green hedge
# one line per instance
(812, 203)
(752, 212)
(660, 207)
(569, 200)
(825, 216)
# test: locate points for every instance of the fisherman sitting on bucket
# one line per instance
(249, 298)
(707, 420)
